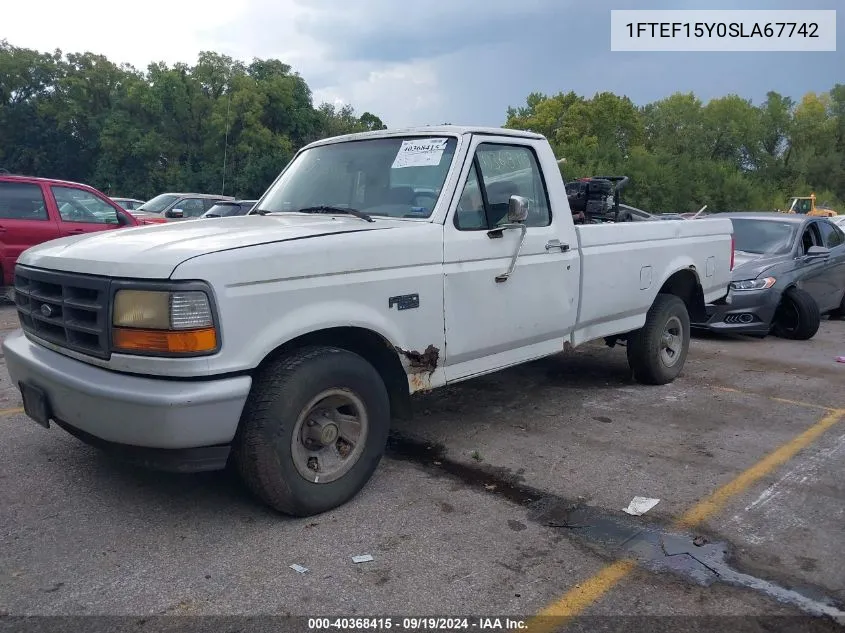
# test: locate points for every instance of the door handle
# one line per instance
(556, 244)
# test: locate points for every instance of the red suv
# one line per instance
(35, 210)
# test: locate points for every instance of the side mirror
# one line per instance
(517, 209)
(176, 213)
(815, 252)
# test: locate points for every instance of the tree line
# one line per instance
(681, 153)
(169, 128)
(79, 116)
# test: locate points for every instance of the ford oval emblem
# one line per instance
(46, 310)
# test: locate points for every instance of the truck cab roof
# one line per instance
(428, 130)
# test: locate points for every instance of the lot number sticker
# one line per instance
(420, 153)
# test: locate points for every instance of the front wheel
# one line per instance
(797, 317)
(313, 430)
(657, 351)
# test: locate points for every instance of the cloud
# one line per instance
(389, 31)
(411, 88)
(134, 33)
(427, 62)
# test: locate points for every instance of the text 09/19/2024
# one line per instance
(723, 30)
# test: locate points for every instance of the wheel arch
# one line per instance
(371, 346)
(686, 285)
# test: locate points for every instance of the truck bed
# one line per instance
(609, 281)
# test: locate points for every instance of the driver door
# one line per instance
(493, 324)
(81, 211)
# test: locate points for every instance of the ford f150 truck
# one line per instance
(376, 265)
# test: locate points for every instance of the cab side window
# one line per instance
(191, 207)
(78, 205)
(22, 201)
(471, 215)
(498, 172)
(831, 234)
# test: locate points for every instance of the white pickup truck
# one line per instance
(375, 266)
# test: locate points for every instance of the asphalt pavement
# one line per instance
(503, 497)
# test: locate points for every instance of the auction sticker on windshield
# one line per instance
(420, 153)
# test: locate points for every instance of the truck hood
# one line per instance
(752, 265)
(154, 251)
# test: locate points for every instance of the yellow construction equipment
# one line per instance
(806, 205)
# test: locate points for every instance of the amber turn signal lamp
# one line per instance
(164, 341)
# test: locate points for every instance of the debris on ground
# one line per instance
(298, 568)
(698, 541)
(640, 505)
(363, 558)
(566, 524)
(840, 359)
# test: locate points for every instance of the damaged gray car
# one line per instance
(788, 271)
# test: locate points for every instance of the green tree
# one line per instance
(219, 125)
(681, 153)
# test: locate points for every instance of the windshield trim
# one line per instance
(452, 172)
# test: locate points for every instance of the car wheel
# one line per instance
(313, 430)
(797, 317)
(657, 351)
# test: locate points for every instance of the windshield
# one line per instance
(763, 236)
(399, 177)
(159, 203)
(801, 206)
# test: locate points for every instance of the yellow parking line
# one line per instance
(709, 506)
(576, 600)
(582, 596)
(4, 412)
(797, 403)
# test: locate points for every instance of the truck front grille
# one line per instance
(67, 309)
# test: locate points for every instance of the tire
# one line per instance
(270, 453)
(797, 317)
(650, 359)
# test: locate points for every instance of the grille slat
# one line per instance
(67, 309)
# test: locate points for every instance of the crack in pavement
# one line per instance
(654, 547)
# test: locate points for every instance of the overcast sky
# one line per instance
(416, 62)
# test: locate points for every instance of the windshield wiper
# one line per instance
(331, 209)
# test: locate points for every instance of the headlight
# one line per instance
(177, 322)
(753, 284)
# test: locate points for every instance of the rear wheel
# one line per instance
(797, 316)
(657, 351)
(313, 430)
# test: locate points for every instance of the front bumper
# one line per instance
(742, 312)
(108, 408)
